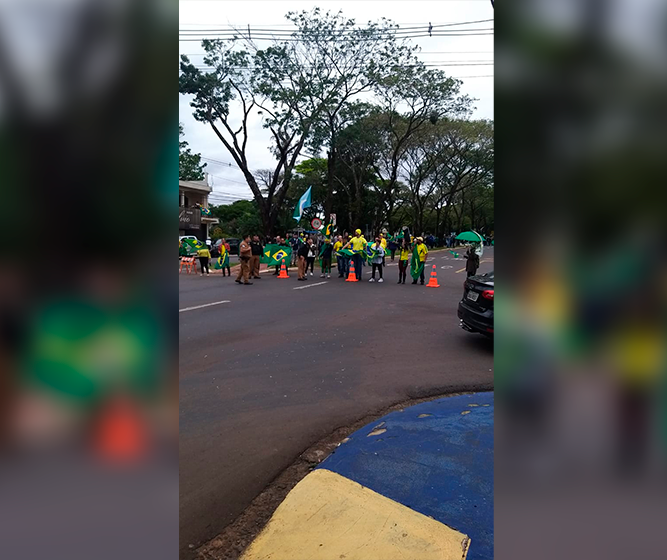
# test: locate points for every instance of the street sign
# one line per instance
(333, 219)
(316, 223)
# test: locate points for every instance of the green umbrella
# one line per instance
(471, 236)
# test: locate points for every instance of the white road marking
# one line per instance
(309, 286)
(446, 267)
(200, 306)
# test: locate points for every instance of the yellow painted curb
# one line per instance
(329, 517)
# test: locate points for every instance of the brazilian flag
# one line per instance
(328, 231)
(189, 247)
(416, 267)
(370, 253)
(274, 254)
(345, 253)
(223, 260)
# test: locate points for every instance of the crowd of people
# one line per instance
(351, 251)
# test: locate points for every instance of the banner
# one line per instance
(273, 255)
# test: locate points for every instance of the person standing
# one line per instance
(345, 259)
(383, 242)
(312, 253)
(337, 246)
(245, 252)
(204, 255)
(357, 244)
(473, 261)
(223, 258)
(226, 262)
(403, 259)
(294, 244)
(256, 249)
(376, 262)
(392, 247)
(325, 255)
(303, 255)
(418, 260)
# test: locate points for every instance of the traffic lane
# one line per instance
(260, 384)
(196, 290)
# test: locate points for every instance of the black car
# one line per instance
(476, 307)
(233, 245)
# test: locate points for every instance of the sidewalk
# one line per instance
(417, 483)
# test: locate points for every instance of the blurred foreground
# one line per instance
(88, 385)
(581, 353)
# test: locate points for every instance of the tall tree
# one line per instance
(411, 98)
(237, 76)
(338, 61)
(190, 167)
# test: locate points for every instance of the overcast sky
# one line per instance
(469, 58)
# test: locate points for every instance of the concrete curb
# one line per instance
(417, 483)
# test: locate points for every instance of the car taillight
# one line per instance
(488, 294)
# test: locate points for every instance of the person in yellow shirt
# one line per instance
(204, 255)
(338, 245)
(383, 244)
(357, 244)
(418, 261)
(403, 261)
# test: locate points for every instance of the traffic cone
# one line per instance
(283, 271)
(433, 281)
(351, 277)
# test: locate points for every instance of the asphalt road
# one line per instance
(283, 363)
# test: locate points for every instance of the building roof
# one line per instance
(198, 186)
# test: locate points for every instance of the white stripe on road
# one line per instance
(200, 306)
(309, 286)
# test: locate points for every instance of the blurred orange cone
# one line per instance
(283, 271)
(351, 277)
(433, 281)
(121, 434)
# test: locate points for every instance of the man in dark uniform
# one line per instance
(256, 249)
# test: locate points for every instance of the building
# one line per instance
(191, 196)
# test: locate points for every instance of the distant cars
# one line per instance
(233, 245)
(476, 307)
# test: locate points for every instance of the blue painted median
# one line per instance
(435, 458)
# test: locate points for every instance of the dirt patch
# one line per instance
(235, 538)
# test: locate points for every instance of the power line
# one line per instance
(429, 63)
(268, 36)
(420, 52)
(339, 32)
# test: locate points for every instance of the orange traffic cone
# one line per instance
(433, 282)
(351, 277)
(283, 271)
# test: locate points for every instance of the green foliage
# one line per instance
(238, 218)
(407, 157)
(190, 167)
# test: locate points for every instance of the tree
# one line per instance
(336, 61)
(190, 167)
(301, 87)
(237, 75)
(410, 99)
